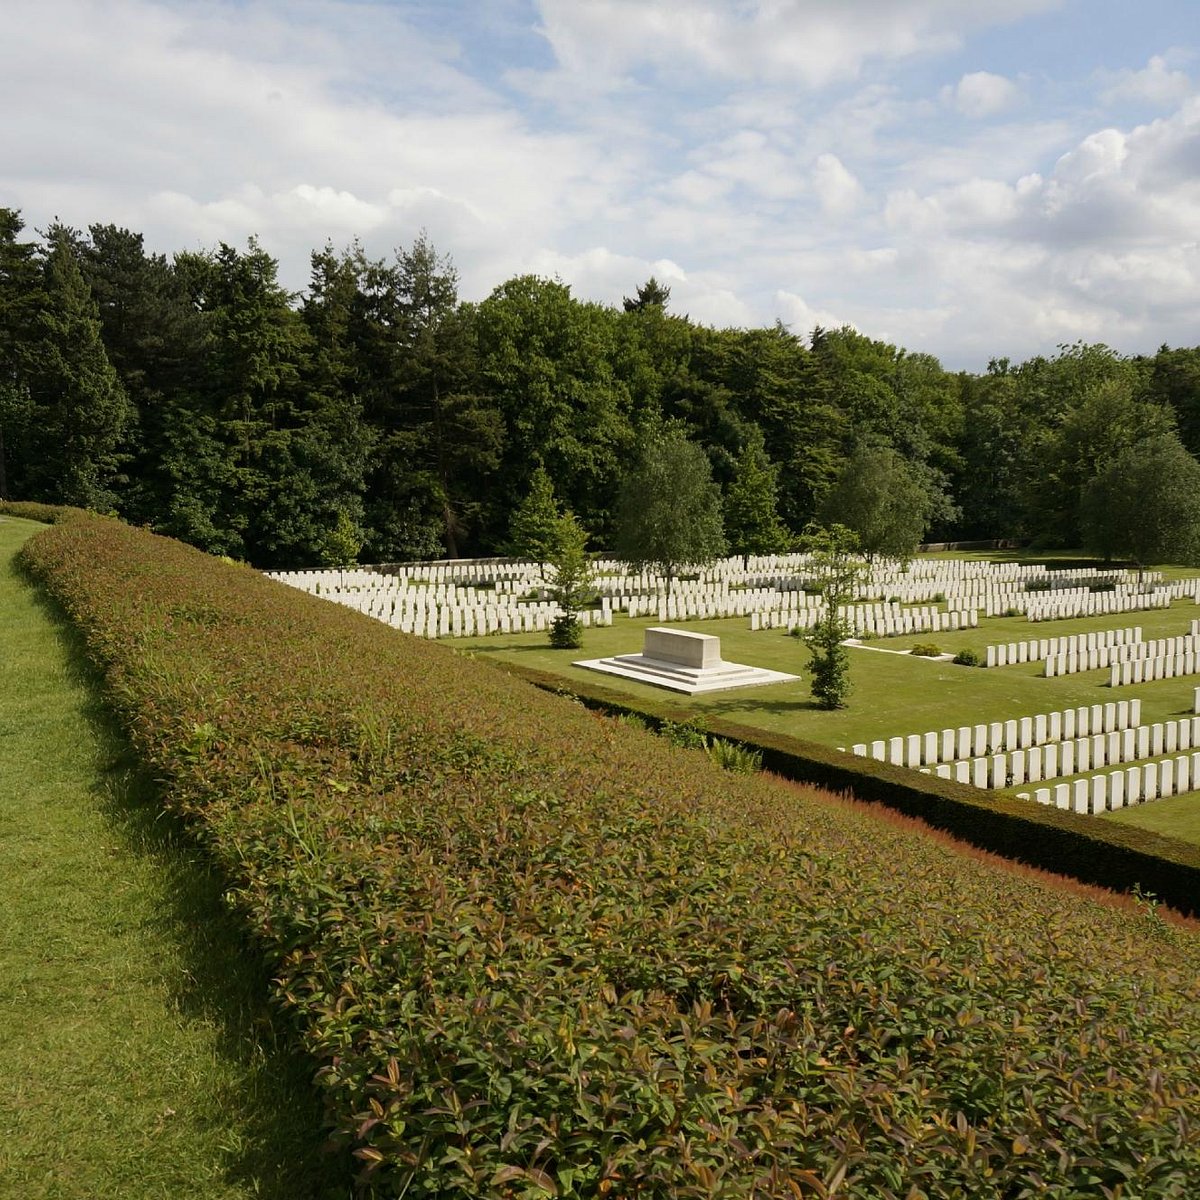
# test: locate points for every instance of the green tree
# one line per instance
(1145, 505)
(669, 510)
(752, 522)
(22, 298)
(884, 500)
(535, 527)
(651, 294)
(79, 409)
(546, 363)
(1102, 420)
(571, 581)
(835, 565)
(157, 340)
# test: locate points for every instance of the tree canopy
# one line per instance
(193, 393)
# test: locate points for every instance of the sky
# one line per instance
(964, 178)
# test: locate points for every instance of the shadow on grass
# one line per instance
(282, 1152)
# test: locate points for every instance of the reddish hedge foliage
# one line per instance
(536, 951)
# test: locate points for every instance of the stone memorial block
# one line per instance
(896, 751)
(1099, 793)
(1066, 758)
(1062, 795)
(964, 742)
(1010, 735)
(1166, 778)
(1116, 789)
(1042, 795)
(1156, 738)
(980, 741)
(1082, 795)
(1112, 748)
(1068, 724)
(1133, 785)
(930, 748)
(1185, 735)
(1183, 773)
(1055, 732)
(912, 750)
(944, 771)
(1050, 760)
(1016, 766)
(1025, 733)
(1150, 781)
(1143, 741)
(684, 661)
(1033, 764)
(1039, 729)
(998, 772)
(1135, 712)
(962, 771)
(948, 754)
(879, 750)
(996, 735)
(1170, 737)
(859, 748)
(979, 772)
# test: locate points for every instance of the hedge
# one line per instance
(1099, 853)
(535, 951)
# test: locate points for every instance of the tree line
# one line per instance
(378, 417)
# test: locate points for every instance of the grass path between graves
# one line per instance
(138, 1053)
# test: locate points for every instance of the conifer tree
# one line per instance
(752, 521)
(79, 409)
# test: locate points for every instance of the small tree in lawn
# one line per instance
(669, 510)
(752, 521)
(571, 586)
(836, 567)
(533, 529)
(1145, 505)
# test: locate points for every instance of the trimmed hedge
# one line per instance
(1103, 853)
(31, 510)
(535, 952)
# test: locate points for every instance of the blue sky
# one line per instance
(966, 179)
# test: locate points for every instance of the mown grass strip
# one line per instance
(139, 1055)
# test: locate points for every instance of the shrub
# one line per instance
(967, 658)
(926, 650)
(566, 633)
(732, 756)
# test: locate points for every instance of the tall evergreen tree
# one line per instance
(21, 299)
(79, 409)
(752, 521)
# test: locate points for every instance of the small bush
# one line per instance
(734, 757)
(926, 650)
(566, 633)
(1011, 612)
(967, 658)
(687, 734)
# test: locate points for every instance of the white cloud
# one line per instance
(981, 94)
(1156, 83)
(813, 42)
(837, 189)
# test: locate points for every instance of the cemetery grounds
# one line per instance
(894, 693)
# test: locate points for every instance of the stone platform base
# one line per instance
(692, 680)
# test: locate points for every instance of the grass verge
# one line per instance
(141, 1059)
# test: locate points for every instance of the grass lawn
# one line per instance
(139, 1055)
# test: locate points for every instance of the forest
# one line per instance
(377, 417)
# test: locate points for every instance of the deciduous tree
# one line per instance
(669, 511)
